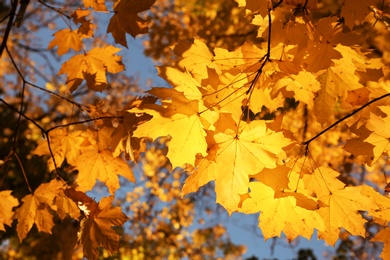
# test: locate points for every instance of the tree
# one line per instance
(282, 105)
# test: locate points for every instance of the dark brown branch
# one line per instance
(9, 26)
(344, 118)
(85, 121)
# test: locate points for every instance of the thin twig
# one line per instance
(85, 121)
(344, 118)
(9, 26)
(54, 9)
(22, 168)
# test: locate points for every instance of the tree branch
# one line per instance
(344, 118)
(9, 26)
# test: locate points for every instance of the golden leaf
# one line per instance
(96, 165)
(92, 67)
(290, 212)
(66, 39)
(7, 202)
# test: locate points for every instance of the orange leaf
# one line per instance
(126, 19)
(96, 230)
(97, 5)
(383, 236)
(7, 202)
(101, 165)
(66, 39)
(92, 67)
(36, 209)
(63, 145)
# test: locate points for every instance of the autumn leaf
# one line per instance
(341, 209)
(95, 165)
(63, 145)
(96, 230)
(126, 19)
(383, 236)
(322, 181)
(98, 5)
(66, 39)
(179, 119)
(7, 202)
(304, 85)
(92, 67)
(36, 209)
(380, 128)
(290, 212)
(354, 12)
(233, 157)
(86, 28)
(253, 6)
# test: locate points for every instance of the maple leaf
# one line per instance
(86, 26)
(354, 12)
(96, 230)
(290, 212)
(322, 181)
(195, 58)
(304, 85)
(380, 136)
(383, 236)
(253, 6)
(36, 209)
(7, 202)
(92, 67)
(340, 209)
(233, 157)
(98, 5)
(94, 165)
(379, 207)
(178, 118)
(66, 39)
(63, 145)
(126, 19)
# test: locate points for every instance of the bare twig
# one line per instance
(9, 26)
(344, 118)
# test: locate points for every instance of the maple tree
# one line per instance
(282, 105)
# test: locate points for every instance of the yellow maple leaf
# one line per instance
(195, 58)
(63, 145)
(92, 67)
(380, 136)
(340, 209)
(36, 209)
(379, 206)
(95, 165)
(290, 212)
(126, 19)
(304, 85)
(322, 181)
(383, 236)
(66, 39)
(7, 202)
(188, 135)
(96, 230)
(233, 158)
